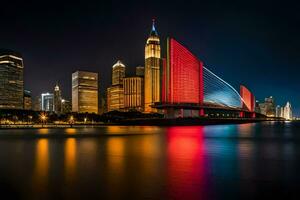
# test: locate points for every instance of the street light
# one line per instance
(43, 118)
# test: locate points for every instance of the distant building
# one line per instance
(152, 71)
(115, 98)
(115, 93)
(66, 106)
(27, 100)
(139, 71)
(11, 79)
(47, 102)
(36, 104)
(118, 73)
(278, 111)
(288, 115)
(268, 107)
(85, 92)
(57, 99)
(133, 93)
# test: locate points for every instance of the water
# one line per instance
(246, 161)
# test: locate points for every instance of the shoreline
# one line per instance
(143, 122)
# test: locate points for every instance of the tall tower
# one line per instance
(11, 80)
(152, 70)
(57, 99)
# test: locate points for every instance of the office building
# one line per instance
(27, 100)
(115, 98)
(85, 92)
(57, 99)
(11, 80)
(268, 107)
(47, 100)
(288, 115)
(118, 73)
(139, 71)
(66, 106)
(152, 71)
(115, 93)
(133, 93)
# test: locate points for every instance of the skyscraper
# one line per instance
(133, 93)
(288, 111)
(115, 93)
(27, 100)
(85, 92)
(118, 73)
(57, 99)
(47, 102)
(152, 70)
(11, 80)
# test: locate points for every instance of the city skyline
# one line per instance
(267, 80)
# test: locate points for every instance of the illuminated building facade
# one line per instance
(27, 100)
(66, 106)
(85, 92)
(182, 82)
(288, 115)
(115, 98)
(152, 71)
(133, 93)
(115, 93)
(140, 71)
(57, 99)
(268, 107)
(118, 73)
(47, 100)
(11, 80)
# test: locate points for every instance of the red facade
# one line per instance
(248, 99)
(182, 76)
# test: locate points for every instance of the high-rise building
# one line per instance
(115, 98)
(115, 93)
(268, 107)
(47, 102)
(85, 92)
(118, 73)
(133, 93)
(140, 71)
(37, 103)
(57, 99)
(27, 100)
(288, 115)
(152, 71)
(11, 80)
(66, 106)
(278, 111)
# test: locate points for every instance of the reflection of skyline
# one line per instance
(185, 162)
(41, 167)
(70, 159)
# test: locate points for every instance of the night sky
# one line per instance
(256, 43)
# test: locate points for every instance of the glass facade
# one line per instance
(118, 73)
(11, 80)
(152, 71)
(85, 92)
(247, 98)
(47, 100)
(115, 98)
(182, 76)
(133, 93)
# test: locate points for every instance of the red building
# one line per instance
(182, 81)
(183, 76)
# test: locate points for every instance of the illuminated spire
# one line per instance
(153, 30)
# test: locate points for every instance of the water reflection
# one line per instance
(43, 131)
(70, 159)
(186, 164)
(71, 130)
(41, 168)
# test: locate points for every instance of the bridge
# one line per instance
(190, 89)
